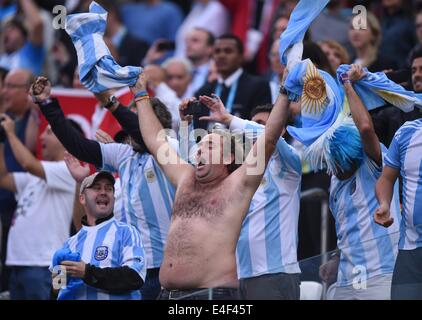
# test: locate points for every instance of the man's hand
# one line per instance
(78, 172)
(155, 75)
(40, 89)
(154, 54)
(8, 124)
(356, 72)
(382, 216)
(104, 97)
(182, 107)
(218, 112)
(328, 271)
(74, 269)
(103, 137)
(140, 85)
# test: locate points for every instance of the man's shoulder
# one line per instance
(253, 79)
(206, 89)
(408, 128)
(252, 83)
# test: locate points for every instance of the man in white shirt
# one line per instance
(42, 219)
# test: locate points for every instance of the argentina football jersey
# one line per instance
(147, 196)
(366, 247)
(110, 244)
(269, 233)
(404, 154)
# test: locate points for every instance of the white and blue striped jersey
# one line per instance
(110, 244)
(405, 154)
(147, 196)
(269, 234)
(366, 247)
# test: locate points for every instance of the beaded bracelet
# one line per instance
(141, 94)
(142, 98)
(344, 78)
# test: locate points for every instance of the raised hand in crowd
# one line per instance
(156, 52)
(218, 111)
(41, 89)
(155, 75)
(140, 85)
(356, 72)
(183, 108)
(103, 137)
(7, 123)
(104, 98)
(78, 172)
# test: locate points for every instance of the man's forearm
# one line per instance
(24, 157)
(384, 191)
(32, 15)
(149, 125)
(363, 122)
(276, 122)
(129, 122)
(113, 280)
(360, 114)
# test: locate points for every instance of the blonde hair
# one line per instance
(344, 56)
(375, 29)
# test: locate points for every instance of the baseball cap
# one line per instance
(90, 180)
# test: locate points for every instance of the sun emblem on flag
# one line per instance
(396, 99)
(314, 94)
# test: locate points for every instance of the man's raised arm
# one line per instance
(22, 154)
(252, 170)
(361, 116)
(75, 143)
(152, 132)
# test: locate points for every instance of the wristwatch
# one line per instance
(42, 102)
(111, 102)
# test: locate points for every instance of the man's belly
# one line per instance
(201, 272)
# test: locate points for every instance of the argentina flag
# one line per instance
(301, 18)
(320, 97)
(375, 89)
(98, 71)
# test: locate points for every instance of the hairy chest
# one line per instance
(208, 204)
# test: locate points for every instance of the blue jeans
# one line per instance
(30, 283)
(407, 275)
(151, 288)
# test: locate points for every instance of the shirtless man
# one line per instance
(210, 204)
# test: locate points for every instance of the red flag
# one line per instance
(82, 106)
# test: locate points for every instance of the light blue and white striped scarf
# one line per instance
(375, 89)
(98, 71)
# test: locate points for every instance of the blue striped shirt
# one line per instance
(98, 71)
(364, 245)
(269, 234)
(110, 244)
(405, 154)
(147, 196)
